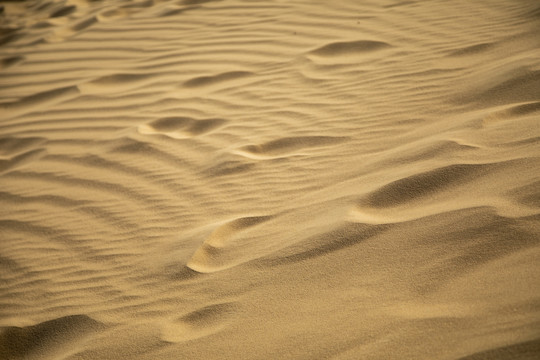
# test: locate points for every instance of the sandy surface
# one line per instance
(285, 179)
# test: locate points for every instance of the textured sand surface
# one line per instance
(281, 179)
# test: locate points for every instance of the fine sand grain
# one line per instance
(282, 179)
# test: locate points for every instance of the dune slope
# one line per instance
(237, 179)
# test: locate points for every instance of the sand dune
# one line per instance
(234, 179)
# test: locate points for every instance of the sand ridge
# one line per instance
(234, 179)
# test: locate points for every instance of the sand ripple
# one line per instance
(205, 179)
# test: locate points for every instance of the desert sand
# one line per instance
(281, 179)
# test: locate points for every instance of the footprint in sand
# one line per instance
(197, 324)
(181, 127)
(218, 251)
(286, 146)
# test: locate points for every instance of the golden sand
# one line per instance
(282, 179)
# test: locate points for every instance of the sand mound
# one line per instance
(235, 179)
(48, 339)
(197, 324)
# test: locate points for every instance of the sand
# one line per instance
(284, 179)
